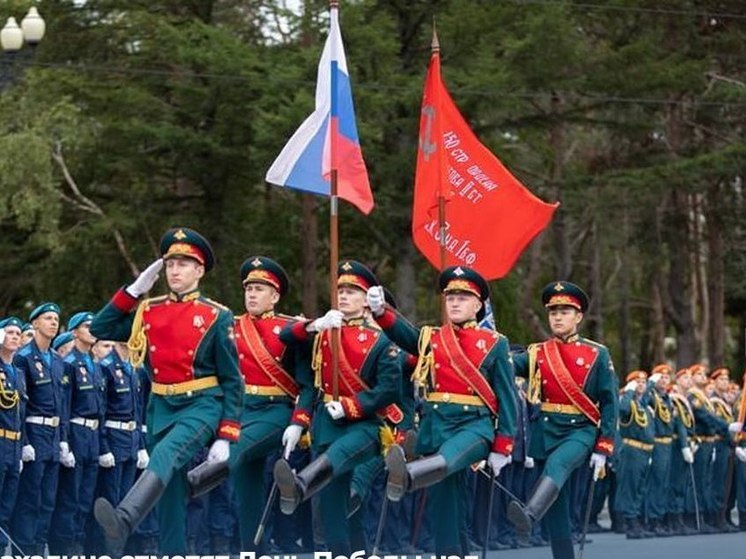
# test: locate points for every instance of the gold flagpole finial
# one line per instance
(434, 43)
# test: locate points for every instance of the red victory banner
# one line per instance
(486, 217)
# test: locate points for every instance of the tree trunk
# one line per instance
(563, 257)
(715, 283)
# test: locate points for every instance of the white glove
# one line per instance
(375, 300)
(529, 463)
(20, 466)
(655, 378)
(146, 280)
(631, 385)
(28, 454)
(219, 451)
(332, 319)
(497, 462)
(335, 409)
(67, 458)
(290, 438)
(694, 446)
(687, 455)
(735, 427)
(106, 460)
(741, 453)
(143, 459)
(598, 463)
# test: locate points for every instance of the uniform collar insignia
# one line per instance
(268, 314)
(572, 338)
(184, 297)
(357, 321)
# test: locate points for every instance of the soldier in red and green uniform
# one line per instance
(345, 432)
(470, 411)
(724, 444)
(271, 391)
(573, 380)
(186, 343)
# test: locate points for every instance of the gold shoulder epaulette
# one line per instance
(154, 300)
(214, 303)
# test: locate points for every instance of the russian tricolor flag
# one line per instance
(328, 138)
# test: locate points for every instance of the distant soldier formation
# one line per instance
(168, 425)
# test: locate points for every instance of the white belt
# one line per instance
(42, 420)
(90, 423)
(121, 425)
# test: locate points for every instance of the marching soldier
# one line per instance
(270, 395)
(637, 431)
(574, 381)
(344, 431)
(470, 411)
(187, 343)
(681, 463)
(77, 478)
(664, 427)
(12, 393)
(45, 445)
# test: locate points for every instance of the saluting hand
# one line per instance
(146, 280)
(375, 299)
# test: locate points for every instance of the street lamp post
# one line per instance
(13, 37)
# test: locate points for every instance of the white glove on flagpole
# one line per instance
(332, 319)
(146, 280)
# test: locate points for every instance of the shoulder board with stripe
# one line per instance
(214, 303)
(154, 300)
(24, 351)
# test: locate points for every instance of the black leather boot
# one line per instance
(206, 476)
(634, 531)
(562, 549)
(296, 488)
(118, 523)
(542, 497)
(406, 476)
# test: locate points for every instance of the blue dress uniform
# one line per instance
(636, 428)
(707, 429)
(369, 384)
(664, 425)
(76, 486)
(196, 390)
(121, 433)
(46, 377)
(470, 410)
(269, 401)
(12, 410)
(573, 379)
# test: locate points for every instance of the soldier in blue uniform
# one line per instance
(573, 379)
(470, 415)
(186, 341)
(45, 445)
(12, 409)
(63, 343)
(637, 431)
(77, 478)
(345, 430)
(27, 333)
(122, 442)
(271, 391)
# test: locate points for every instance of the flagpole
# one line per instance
(334, 211)
(435, 52)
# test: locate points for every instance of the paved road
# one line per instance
(616, 546)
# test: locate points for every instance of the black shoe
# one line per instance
(296, 488)
(562, 549)
(634, 531)
(406, 476)
(206, 476)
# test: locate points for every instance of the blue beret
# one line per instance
(62, 339)
(11, 321)
(26, 327)
(44, 308)
(79, 318)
